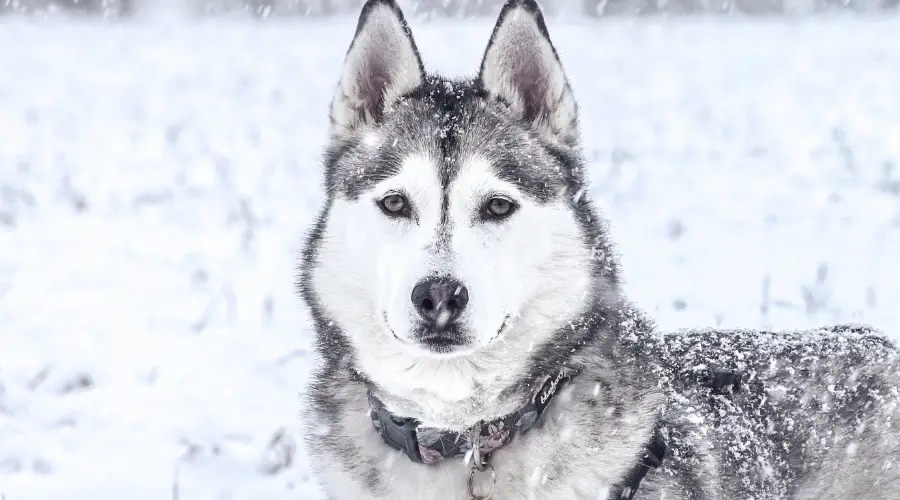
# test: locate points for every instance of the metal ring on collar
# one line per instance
(479, 461)
(493, 478)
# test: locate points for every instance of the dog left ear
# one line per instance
(521, 67)
(381, 65)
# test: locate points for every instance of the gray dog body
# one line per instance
(468, 311)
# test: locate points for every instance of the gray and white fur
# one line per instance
(456, 261)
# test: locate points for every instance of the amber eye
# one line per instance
(499, 208)
(394, 205)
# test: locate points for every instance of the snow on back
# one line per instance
(803, 392)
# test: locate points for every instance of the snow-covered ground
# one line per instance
(157, 179)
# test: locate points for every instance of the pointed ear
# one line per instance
(522, 69)
(381, 65)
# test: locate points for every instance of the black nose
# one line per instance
(439, 301)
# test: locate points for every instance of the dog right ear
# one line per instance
(381, 65)
(522, 69)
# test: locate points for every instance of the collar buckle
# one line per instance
(400, 435)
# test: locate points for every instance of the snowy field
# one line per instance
(157, 179)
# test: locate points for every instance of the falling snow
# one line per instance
(157, 180)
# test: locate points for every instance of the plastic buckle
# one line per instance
(400, 436)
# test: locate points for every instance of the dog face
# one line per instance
(452, 226)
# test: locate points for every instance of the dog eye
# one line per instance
(498, 208)
(394, 205)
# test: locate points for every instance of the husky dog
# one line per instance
(473, 336)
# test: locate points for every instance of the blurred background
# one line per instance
(451, 8)
(160, 165)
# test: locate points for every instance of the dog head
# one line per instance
(455, 225)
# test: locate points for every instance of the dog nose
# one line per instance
(440, 301)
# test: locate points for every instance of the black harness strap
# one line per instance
(653, 458)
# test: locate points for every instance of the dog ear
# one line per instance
(382, 64)
(522, 69)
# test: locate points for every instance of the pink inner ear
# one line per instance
(530, 81)
(372, 84)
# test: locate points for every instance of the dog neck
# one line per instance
(453, 393)
(428, 445)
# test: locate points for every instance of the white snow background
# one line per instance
(157, 180)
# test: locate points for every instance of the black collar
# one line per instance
(428, 445)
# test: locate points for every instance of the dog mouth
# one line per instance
(451, 339)
(446, 340)
(503, 326)
(387, 324)
(442, 343)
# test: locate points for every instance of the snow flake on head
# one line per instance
(578, 196)
(449, 124)
(371, 140)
